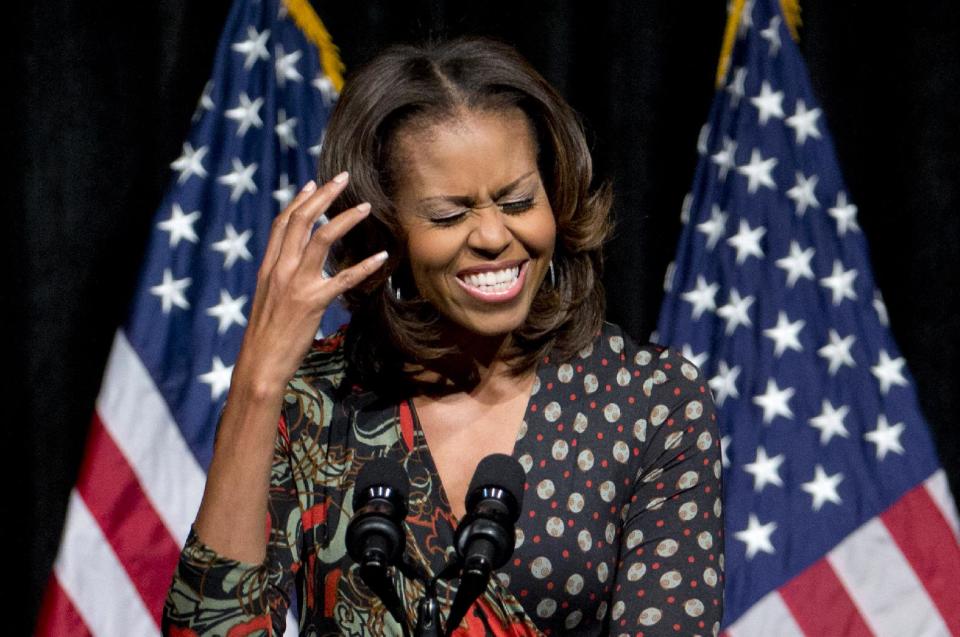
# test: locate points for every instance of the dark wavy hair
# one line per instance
(423, 85)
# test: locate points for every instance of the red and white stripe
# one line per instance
(896, 575)
(137, 494)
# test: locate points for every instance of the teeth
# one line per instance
(497, 281)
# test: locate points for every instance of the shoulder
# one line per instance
(669, 396)
(658, 374)
(615, 350)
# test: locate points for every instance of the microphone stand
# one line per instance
(473, 581)
(376, 577)
(428, 617)
(429, 624)
(428, 610)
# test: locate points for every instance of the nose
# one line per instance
(489, 236)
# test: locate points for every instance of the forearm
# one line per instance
(223, 565)
(233, 511)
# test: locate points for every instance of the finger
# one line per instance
(308, 189)
(305, 215)
(316, 253)
(353, 275)
(279, 227)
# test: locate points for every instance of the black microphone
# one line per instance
(375, 536)
(485, 538)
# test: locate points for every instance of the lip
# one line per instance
(495, 297)
(492, 267)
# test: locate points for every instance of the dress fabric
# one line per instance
(620, 530)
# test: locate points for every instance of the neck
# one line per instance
(481, 365)
(492, 386)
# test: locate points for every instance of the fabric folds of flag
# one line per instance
(839, 520)
(256, 136)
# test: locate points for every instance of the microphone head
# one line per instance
(375, 537)
(386, 476)
(499, 472)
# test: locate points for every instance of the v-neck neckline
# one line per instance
(425, 456)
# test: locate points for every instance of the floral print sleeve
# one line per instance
(216, 595)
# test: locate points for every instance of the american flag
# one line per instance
(255, 138)
(839, 520)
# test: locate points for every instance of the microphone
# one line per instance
(375, 537)
(485, 538)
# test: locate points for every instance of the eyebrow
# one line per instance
(465, 200)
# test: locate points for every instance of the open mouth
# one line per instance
(501, 284)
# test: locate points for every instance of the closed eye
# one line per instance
(449, 219)
(508, 207)
(520, 205)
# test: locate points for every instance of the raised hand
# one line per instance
(292, 295)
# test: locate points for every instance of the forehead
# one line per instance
(474, 153)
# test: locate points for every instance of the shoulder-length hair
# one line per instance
(426, 84)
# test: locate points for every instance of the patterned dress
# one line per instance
(620, 530)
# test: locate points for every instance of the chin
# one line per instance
(490, 327)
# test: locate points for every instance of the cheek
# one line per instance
(430, 252)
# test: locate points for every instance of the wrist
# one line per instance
(257, 388)
(258, 379)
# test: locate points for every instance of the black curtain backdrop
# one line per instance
(101, 98)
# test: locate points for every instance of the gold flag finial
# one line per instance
(791, 15)
(312, 27)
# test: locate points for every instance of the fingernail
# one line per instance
(381, 256)
(341, 178)
(310, 186)
(364, 207)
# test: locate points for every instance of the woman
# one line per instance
(476, 328)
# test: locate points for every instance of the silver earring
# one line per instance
(395, 292)
(553, 276)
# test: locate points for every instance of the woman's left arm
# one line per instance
(670, 568)
(214, 594)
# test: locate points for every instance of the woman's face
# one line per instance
(480, 229)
